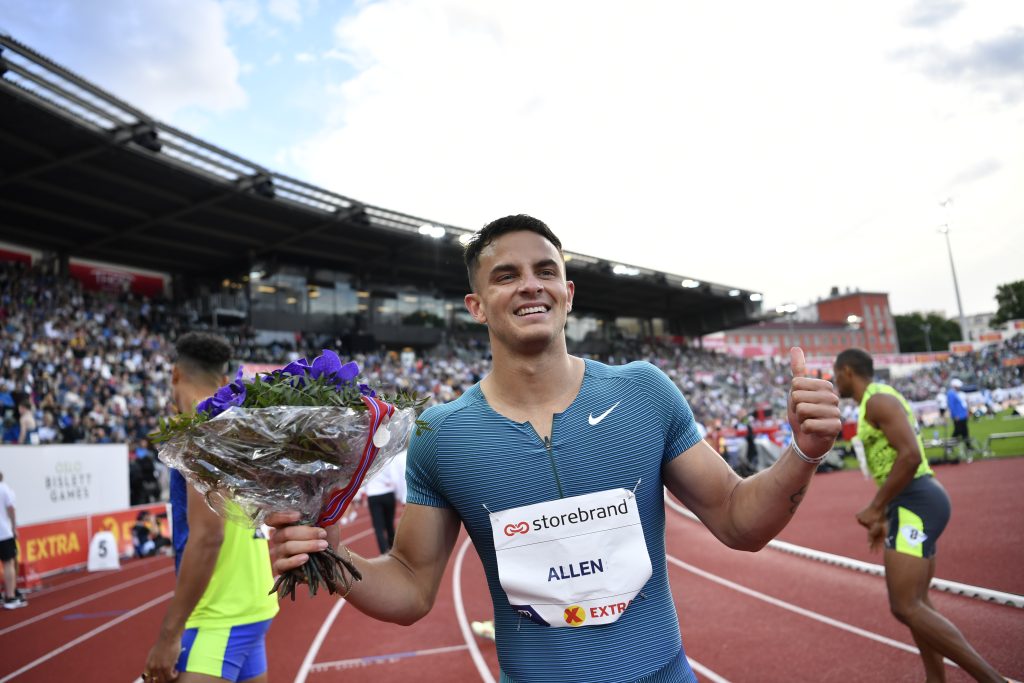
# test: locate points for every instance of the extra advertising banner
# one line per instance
(62, 481)
(53, 546)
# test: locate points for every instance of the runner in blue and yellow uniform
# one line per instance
(909, 512)
(576, 454)
(217, 621)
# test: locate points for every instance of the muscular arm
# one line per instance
(747, 513)
(742, 513)
(205, 536)
(399, 587)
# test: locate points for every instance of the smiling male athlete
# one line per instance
(568, 455)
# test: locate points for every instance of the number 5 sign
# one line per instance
(103, 552)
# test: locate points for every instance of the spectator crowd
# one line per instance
(94, 367)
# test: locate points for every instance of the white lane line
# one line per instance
(86, 636)
(945, 585)
(460, 614)
(842, 625)
(384, 659)
(135, 564)
(706, 672)
(314, 648)
(82, 601)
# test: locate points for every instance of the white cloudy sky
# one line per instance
(778, 146)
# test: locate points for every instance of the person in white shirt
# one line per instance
(9, 547)
(383, 491)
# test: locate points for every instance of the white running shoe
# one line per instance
(15, 602)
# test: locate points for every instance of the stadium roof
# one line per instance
(85, 174)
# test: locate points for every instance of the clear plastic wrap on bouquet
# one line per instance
(309, 459)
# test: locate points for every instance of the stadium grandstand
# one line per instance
(117, 232)
(121, 199)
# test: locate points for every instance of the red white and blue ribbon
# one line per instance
(339, 499)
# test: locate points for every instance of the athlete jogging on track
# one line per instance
(909, 513)
(217, 621)
(549, 444)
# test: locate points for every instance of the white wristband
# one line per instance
(806, 458)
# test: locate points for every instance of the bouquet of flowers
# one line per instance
(300, 438)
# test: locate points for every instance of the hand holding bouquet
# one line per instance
(300, 438)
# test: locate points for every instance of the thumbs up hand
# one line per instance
(813, 409)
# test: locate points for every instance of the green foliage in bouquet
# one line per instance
(285, 440)
(287, 388)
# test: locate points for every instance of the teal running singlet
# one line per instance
(624, 425)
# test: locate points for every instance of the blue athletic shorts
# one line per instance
(917, 516)
(235, 653)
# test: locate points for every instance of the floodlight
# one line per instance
(690, 284)
(628, 271)
(734, 292)
(434, 231)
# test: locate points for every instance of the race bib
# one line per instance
(572, 562)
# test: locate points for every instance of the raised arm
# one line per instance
(399, 587)
(747, 513)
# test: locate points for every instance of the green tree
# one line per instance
(916, 331)
(1010, 298)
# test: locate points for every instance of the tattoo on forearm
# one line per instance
(796, 499)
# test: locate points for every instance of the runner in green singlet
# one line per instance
(909, 512)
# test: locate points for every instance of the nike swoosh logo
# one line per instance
(594, 420)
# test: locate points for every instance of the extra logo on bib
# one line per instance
(572, 562)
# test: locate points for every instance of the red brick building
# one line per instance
(870, 310)
(825, 328)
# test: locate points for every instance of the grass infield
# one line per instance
(980, 429)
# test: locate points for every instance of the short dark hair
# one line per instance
(202, 353)
(858, 360)
(499, 227)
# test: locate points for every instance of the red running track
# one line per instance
(762, 617)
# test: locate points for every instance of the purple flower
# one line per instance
(227, 396)
(365, 390)
(329, 366)
(326, 365)
(297, 368)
